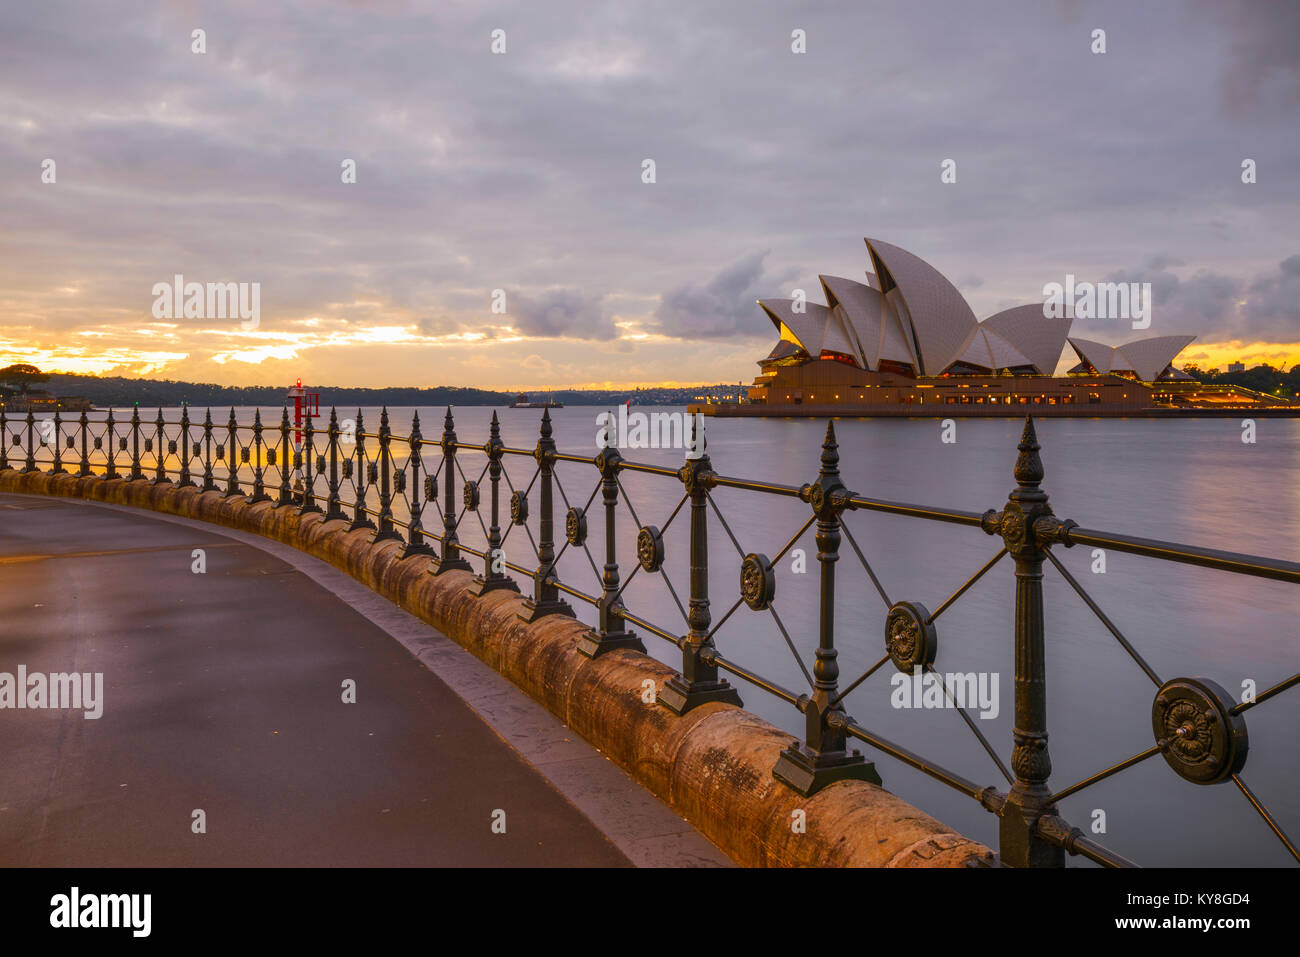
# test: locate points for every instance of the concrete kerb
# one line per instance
(712, 765)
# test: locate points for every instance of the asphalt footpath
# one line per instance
(224, 738)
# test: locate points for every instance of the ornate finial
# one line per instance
(494, 430)
(447, 422)
(1029, 467)
(160, 418)
(334, 417)
(284, 415)
(830, 451)
(207, 416)
(546, 423)
(383, 417)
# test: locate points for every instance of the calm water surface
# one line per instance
(1189, 481)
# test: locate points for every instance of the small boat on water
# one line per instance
(522, 402)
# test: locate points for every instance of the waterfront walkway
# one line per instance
(222, 691)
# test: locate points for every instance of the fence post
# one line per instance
(30, 465)
(546, 598)
(209, 483)
(451, 557)
(699, 682)
(136, 471)
(4, 439)
(57, 467)
(611, 629)
(304, 459)
(286, 459)
(359, 517)
(825, 757)
(110, 468)
(259, 487)
(186, 479)
(332, 507)
(232, 482)
(160, 469)
(386, 529)
(494, 576)
(84, 425)
(1025, 524)
(415, 544)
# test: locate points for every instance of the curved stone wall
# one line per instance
(712, 765)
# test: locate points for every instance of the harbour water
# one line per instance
(1189, 481)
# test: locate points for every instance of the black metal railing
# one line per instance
(1198, 728)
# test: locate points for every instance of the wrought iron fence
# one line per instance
(1198, 727)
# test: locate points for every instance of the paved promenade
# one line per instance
(222, 691)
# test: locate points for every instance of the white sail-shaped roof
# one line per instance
(1150, 357)
(862, 308)
(808, 328)
(1040, 338)
(940, 318)
(985, 349)
(1096, 354)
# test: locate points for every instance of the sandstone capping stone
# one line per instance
(712, 765)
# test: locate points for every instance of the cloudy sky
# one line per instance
(522, 171)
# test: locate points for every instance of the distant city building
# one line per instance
(1237, 367)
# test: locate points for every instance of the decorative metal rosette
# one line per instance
(171, 446)
(71, 441)
(757, 581)
(270, 455)
(518, 507)
(99, 443)
(650, 548)
(575, 526)
(320, 464)
(430, 488)
(221, 451)
(243, 455)
(816, 497)
(121, 443)
(372, 472)
(148, 447)
(399, 481)
(1199, 736)
(297, 460)
(347, 468)
(19, 441)
(471, 495)
(910, 636)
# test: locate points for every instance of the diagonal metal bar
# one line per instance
(970, 722)
(790, 544)
(844, 527)
(861, 678)
(1101, 615)
(963, 589)
(723, 620)
(1261, 698)
(627, 500)
(725, 527)
(1268, 818)
(673, 591)
(790, 644)
(1102, 775)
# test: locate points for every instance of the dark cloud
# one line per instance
(721, 307)
(556, 313)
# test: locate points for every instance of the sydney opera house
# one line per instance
(905, 342)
